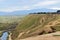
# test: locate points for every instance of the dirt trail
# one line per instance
(48, 25)
(45, 37)
(52, 23)
(21, 34)
(10, 36)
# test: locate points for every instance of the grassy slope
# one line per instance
(33, 23)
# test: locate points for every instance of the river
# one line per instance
(4, 36)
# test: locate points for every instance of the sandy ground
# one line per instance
(10, 37)
(45, 37)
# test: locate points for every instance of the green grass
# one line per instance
(56, 35)
(1, 32)
(57, 28)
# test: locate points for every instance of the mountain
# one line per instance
(25, 12)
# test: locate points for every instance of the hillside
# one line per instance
(8, 23)
(36, 24)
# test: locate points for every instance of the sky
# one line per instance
(13, 5)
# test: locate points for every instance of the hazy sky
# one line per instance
(13, 5)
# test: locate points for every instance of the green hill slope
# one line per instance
(36, 24)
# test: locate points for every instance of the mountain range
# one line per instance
(25, 12)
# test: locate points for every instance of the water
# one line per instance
(4, 36)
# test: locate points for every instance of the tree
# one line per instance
(58, 11)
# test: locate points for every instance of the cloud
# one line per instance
(56, 8)
(45, 3)
(11, 9)
(25, 8)
(13, 5)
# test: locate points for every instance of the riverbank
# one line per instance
(1, 33)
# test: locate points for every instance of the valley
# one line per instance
(31, 27)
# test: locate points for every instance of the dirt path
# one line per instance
(10, 36)
(48, 25)
(45, 37)
(52, 23)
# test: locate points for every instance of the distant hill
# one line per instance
(25, 12)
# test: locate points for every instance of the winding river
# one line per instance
(4, 36)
